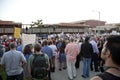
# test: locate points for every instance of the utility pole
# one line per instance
(99, 15)
(99, 18)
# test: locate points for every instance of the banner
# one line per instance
(17, 32)
(28, 39)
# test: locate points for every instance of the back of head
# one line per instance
(45, 42)
(37, 47)
(113, 45)
(49, 42)
(28, 49)
(87, 39)
(13, 45)
(71, 40)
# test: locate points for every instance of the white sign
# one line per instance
(113, 33)
(28, 38)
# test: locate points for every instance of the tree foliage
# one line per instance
(38, 23)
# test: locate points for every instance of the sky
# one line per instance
(57, 11)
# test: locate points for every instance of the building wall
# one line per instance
(50, 30)
(7, 27)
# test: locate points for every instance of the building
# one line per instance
(7, 27)
(72, 27)
(58, 28)
(91, 23)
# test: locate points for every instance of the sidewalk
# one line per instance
(62, 75)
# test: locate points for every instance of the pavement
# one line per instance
(62, 75)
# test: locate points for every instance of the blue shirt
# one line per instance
(48, 51)
(27, 56)
(13, 62)
(94, 45)
(19, 48)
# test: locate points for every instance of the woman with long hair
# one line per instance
(27, 51)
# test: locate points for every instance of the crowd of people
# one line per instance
(37, 61)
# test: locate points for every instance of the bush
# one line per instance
(2, 73)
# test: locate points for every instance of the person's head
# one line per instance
(13, 45)
(37, 47)
(49, 42)
(28, 49)
(45, 42)
(111, 49)
(87, 39)
(80, 40)
(20, 42)
(71, 40)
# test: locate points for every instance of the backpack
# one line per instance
(1, 77)
(108, 76)
(39, 66)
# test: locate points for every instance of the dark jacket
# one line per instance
(86, 50)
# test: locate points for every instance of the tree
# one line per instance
(38, 23)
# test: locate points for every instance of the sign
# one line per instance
(28, 39)
(17, 32)
(113, 33)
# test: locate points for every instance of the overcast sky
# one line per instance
(57, 11)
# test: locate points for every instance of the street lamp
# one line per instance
(98, 18)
